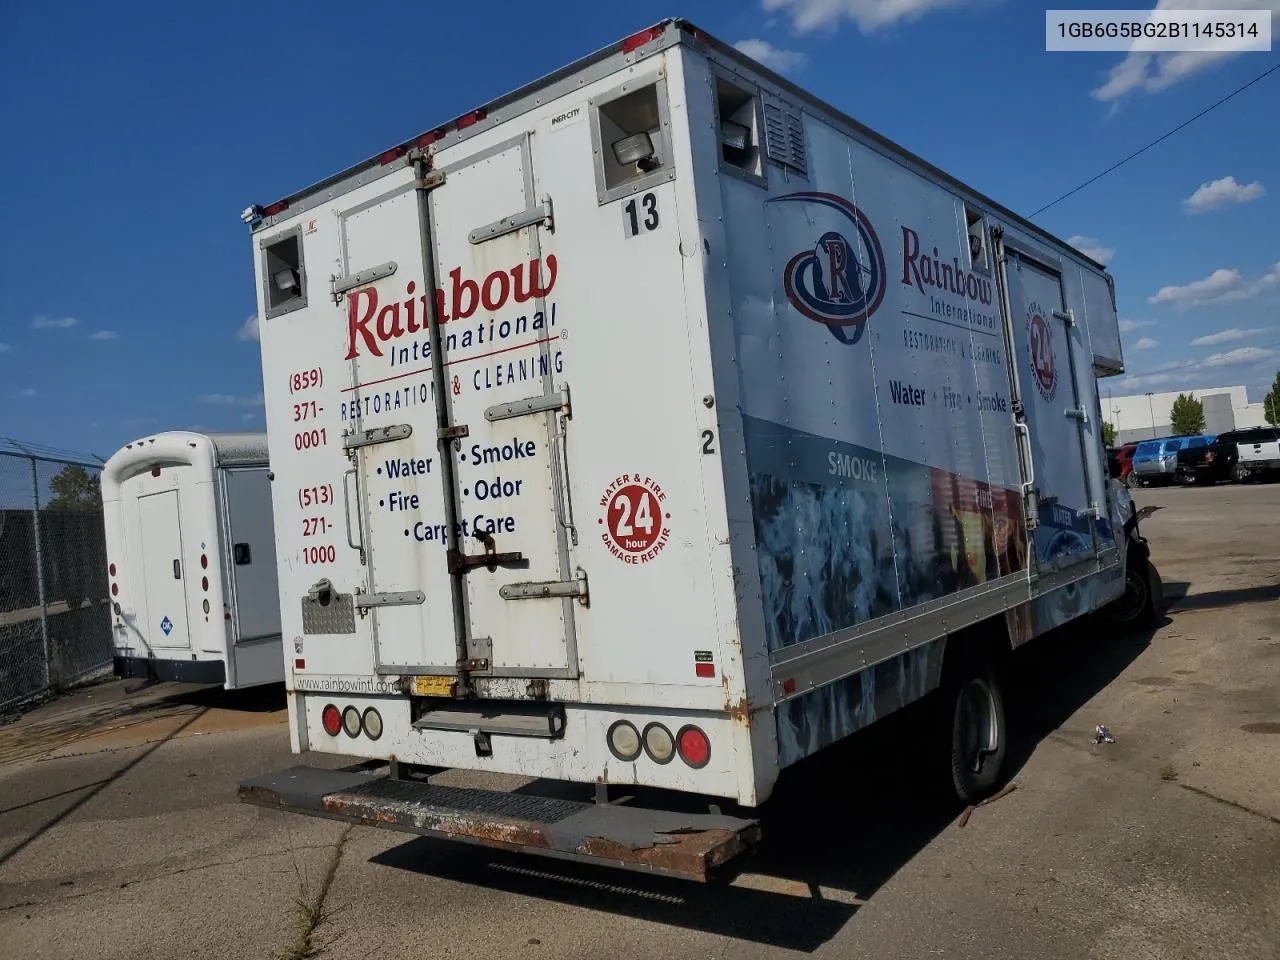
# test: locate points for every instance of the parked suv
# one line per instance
(1156, 461)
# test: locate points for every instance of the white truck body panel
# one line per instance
(750, 426)
(191, 548)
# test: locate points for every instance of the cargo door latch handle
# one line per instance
(460, 562)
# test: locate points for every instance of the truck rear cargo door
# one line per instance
(504, 400)
(164, 571)
(1046, 345)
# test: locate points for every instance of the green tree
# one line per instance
(1271, 403)
(1187, 415)
(74, 488)
(1108, 433)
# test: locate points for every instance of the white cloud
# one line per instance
(249, 329)
(53, 323)
(1128, 326)
(245, 418)
(1092, 248)
(781, 61)
(231, 399)
(1219, 193)
(1225, 336)
(4, 348)
(1206, 372)
(1241, 356)
(869, 15)
(1146, 343)
(26, 393)
(1221, 285)
(1152, 73)
(104, 335)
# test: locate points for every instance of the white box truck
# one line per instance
(192, 560)
(660, 425)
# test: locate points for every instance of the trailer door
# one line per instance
(1046, 344)
(164, 573)
(513, 613)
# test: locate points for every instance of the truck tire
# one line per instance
(978, 733)
(1139, 606)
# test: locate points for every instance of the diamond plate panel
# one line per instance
(337, 616)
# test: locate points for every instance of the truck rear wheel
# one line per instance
(978, 734)
(1137, 608)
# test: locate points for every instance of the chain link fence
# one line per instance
(55, 615)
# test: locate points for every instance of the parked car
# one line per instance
(1120, 462)
(1156, 461)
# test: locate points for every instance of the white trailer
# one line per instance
(192, 560)
(658, 424)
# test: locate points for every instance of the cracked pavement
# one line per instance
(121, 836)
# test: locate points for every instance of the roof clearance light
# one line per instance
(279, 206)
(637, 40)
(467, 119)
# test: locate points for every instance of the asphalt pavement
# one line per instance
(121, 835)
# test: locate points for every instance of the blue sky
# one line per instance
(136, 132)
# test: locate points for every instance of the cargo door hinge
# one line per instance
(1077, 413)
(549, 588)
(539, 216)
(1066, 316)
(432, 180)
(539, 404)
(366, 438)
(340, 285)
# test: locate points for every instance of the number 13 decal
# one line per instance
(640, 216)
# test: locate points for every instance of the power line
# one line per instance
(1185, 123)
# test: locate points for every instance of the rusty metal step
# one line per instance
(690, 846)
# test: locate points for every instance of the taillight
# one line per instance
(351, 722)
(1208, 457)
(331, 720)
(693, 746)
(111, 569)
(115, 590)
(624, 741)
(204, 562)
(372, 722)
(204, 583)
(658, 743)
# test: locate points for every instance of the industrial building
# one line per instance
(1145, 415)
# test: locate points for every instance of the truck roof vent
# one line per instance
(784, 134)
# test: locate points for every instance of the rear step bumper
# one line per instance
(683, 845)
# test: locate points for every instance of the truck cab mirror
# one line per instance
(240, 554)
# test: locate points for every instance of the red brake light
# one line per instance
(694, 747)
(637, 40)
(155, 471)
(204, 583)
(115, 590)
(1208, 457)
(111, 569)
(331, 719)
(204, 562)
